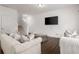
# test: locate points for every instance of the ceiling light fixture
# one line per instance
(41, 5)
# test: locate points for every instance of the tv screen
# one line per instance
(51, 20)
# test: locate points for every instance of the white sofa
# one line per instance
(69, 45)
(12, 46)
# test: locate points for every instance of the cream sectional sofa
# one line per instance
(12, 46)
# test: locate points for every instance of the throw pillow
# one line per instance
(15, 36)
(23, 39)
(31, 36)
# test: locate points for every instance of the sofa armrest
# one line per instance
(8, 43)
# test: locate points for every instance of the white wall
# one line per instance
(9, 19)
(67, 17)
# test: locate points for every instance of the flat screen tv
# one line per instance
(51, 20)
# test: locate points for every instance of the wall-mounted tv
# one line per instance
(51, 20)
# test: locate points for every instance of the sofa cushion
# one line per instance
(23, 39)
(31, 36)
(70, 33)
(15, 36)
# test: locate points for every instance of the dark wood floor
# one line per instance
(1, 52)
(50, 45)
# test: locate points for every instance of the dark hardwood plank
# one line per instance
(50, 46)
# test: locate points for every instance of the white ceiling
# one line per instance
(33, 9)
